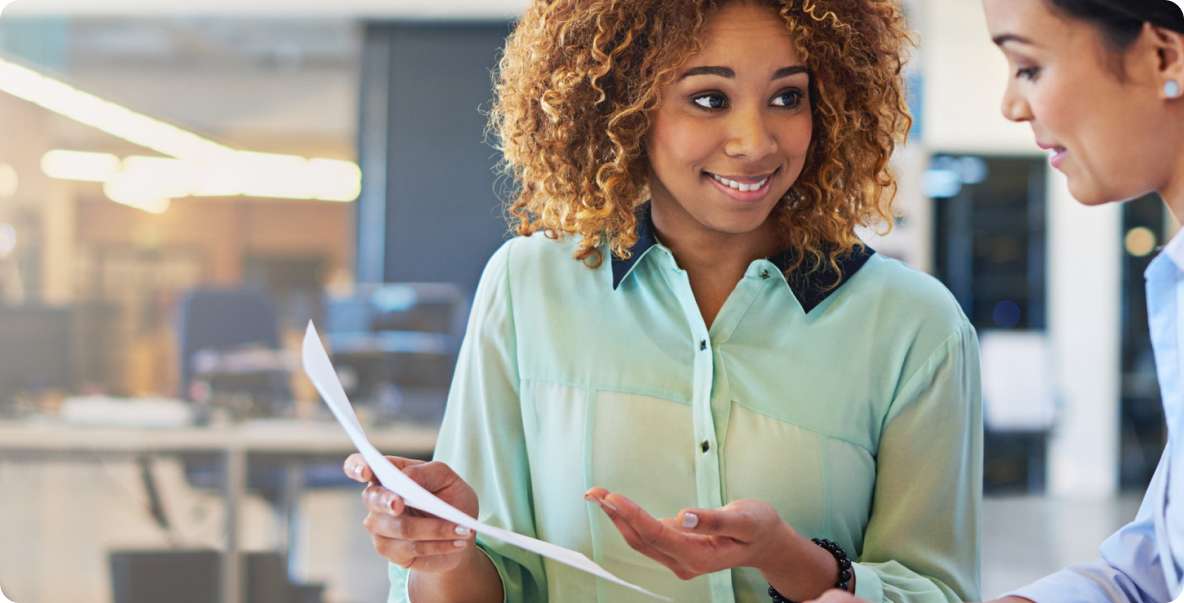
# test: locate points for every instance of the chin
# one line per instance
(1091, 196)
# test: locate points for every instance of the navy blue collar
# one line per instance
(810, 289)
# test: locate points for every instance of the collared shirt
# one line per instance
(1142, 561)
(853, 409)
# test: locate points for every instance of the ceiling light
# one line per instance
(77, 165)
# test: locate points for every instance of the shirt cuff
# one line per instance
(501, 570)
(868, 585)
(1061, 586)
(398, 576)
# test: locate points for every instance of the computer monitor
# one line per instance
(395, 345)
(36, 351)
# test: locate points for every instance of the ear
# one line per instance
(1169, 46)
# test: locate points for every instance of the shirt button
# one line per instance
(705, 446)
(702, 344)
(765, 275)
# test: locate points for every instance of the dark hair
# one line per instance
(1121, 21)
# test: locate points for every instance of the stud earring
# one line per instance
(1172, 89)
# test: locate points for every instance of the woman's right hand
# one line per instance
(409, 537)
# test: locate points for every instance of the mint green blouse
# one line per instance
(855, 411)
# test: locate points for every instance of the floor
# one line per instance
(59, 520)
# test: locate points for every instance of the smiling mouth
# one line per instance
(750, 183)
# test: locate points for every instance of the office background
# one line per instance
(122, 244)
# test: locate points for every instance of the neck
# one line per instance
(1173, 191)
(698, 251)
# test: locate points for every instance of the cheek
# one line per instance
(674, 141)
(794, 138)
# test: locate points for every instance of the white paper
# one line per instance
(320, 371)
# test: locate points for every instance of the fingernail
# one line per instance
(605, 503)
(390, 505)
(460, 544)
(690, 520)
(358, 471)
(463, 531)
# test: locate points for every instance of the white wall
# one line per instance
(965, 76)
(1084, 299)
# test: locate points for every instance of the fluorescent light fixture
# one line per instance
(159, 176)
(107, 116)
(140, 193)
(331, 180)
(77, 165)
(240, 173)
(194, 166)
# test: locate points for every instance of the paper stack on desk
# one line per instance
(320, 371)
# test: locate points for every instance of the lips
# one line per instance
(1058, 153)
(745, 188)
(741, 183)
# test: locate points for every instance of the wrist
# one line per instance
(807, 570)
(785, 551)
(433, 586)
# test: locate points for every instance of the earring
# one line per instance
(1172, 89)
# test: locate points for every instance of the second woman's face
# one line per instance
(1100, 129)
(731, 134)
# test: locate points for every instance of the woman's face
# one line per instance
(1104, 132)
(731, 134)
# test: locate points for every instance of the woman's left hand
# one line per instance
(701, 541)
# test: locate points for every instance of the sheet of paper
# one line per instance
(320, 371)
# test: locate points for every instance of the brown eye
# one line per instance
(790, 98)
(710, 101)
(1028, 73)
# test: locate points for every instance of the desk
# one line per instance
(297, 442)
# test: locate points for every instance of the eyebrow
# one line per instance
(1005, 38)
(730, 74)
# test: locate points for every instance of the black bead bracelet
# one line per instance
(844, 568)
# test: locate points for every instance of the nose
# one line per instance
(1015, 106)
(750, 136)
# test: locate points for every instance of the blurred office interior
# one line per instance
(184, 185)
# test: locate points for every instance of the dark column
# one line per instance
(441, 219)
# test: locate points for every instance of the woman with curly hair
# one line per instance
(688, 325)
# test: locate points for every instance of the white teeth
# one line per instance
(744, 188)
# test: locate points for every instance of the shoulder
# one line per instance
(535, 253)
(901, 289)
(905, 307)
(523, 259)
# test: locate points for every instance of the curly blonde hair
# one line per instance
(580, 80)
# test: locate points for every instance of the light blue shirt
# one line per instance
(1142, 561)
(852, 406)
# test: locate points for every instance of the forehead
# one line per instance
(1032, 20)
(742, 27)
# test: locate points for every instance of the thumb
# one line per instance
(714, 522)
(434, 476)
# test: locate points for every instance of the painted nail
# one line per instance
(690, 520)
(460, 544)
(463, 531)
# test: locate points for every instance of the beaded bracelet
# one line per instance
(844, 568)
